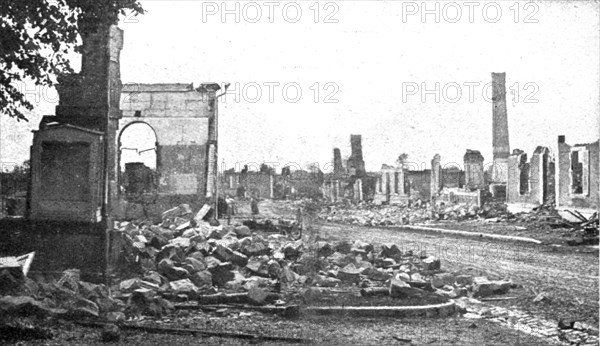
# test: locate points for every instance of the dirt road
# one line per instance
(569, 279)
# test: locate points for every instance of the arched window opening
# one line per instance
(138, 159)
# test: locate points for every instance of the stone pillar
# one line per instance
(338, 167)
(473, 161)
(384, 182)
(358, 193)
(436, 178)
(211, 178)
(356, 165)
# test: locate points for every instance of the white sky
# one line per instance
(367, 56)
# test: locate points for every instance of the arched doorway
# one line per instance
(138, 159)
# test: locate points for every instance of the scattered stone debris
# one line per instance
(586, 231)
(542, 218)
(186, 259)
(368, 214)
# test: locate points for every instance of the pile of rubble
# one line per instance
(68, 297)
(586, 230)
(368, 214)
(186, 259)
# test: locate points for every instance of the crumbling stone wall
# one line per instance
(419, 183)
(338, 167)
(73, 162)
(356, 164)
(577, 177)
(390, 187)
(527, 185)
(253, 184)
(181, 118)
(473, 161)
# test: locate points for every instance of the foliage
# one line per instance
(402, 159)
(36, 37)
(264, 168)
(15, 181)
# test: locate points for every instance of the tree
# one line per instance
(266, 169)
(37, 35)
(402, 159)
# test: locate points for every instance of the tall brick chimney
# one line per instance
(500, 119)
(500, 143)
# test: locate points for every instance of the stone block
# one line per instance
(431, 263)
(439, 280)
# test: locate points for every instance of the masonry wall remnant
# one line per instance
(247, 184)
(390, 187)
(577, 186)
(183, 120)
(77, 180)
(351, 182)
(436, 176)
(462, 187)
(474, 178)
(356, 164)
(74, 164)
(528, 181)
(338, 166)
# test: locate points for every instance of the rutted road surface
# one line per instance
(569, 279)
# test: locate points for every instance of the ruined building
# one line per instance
(356, 164)
(390, 187)
(247, 184)
(86, 172)
(400, 184)
(180, 123)
(474, 177)
(529, 182)
(577, 175)
(338, 166)
(500, 142)
(351, 182)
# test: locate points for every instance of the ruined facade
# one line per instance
(500, 139)
(73, 186)
(338, 166)
(474, 178)
(248, 184)
(577, 174)
(182, 120)
(80, 181)
(356, 164)
(463, 187)
(78, 142)
(351, 182)
(399, 185)
(390, 187)
(528, 181)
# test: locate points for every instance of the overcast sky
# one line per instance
(362, 69)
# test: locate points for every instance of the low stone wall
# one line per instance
(460, 196)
